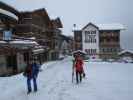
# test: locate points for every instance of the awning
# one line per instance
(20, 44)
(38, 51)
(79, 52)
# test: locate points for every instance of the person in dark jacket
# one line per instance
(79, 69)
(31, 73)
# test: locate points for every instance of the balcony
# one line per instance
(108, 44)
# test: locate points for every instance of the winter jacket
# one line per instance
(28, 71)
(35, 69)
(32, 71)
(79, 65)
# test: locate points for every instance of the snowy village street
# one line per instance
(104, 81)
(66, 50)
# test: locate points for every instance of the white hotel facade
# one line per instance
(99, 41)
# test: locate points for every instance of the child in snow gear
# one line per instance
(31, 73)
(79, 69)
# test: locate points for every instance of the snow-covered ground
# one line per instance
(104, 81)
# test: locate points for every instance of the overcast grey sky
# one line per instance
(80, 12)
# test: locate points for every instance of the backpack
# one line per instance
(28, 71)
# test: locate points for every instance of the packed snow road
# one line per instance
(104, 81)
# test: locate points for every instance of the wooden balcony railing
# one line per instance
(109, 44)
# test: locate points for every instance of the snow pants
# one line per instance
(78, 76)
(29, 84)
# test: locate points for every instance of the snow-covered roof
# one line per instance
(7, 13)
(124, 51)
(110, 26)
(37, 51)
(79, 51)
(24, 42)
(32, 38)
(113, 26)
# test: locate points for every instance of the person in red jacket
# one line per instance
(79, 69)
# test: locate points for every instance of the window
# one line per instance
(87, 51)
(7, 35)
(78, 38)
(86, 36)
(93, 32)
(11, 62)
(95, 51)
(90, 51)
(26, 56)
(90, 38)
(94, 41)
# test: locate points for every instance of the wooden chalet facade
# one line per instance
(16, 50)
(9, 52)
(109, 44)
(33, 36)
(46, 31)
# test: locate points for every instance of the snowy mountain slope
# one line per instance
(105, 81)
